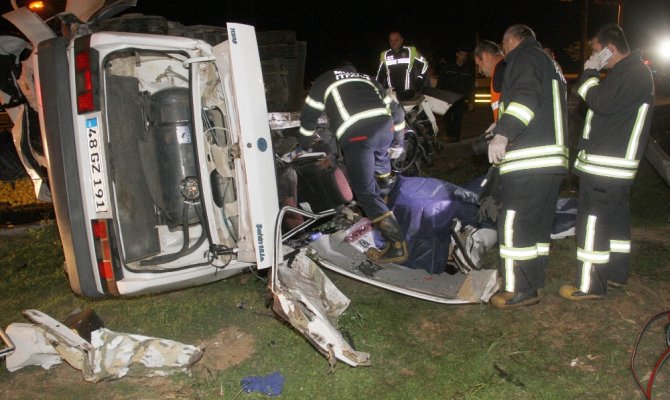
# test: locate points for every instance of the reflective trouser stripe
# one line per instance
(509, 253)
(588, 256)
(620, 246)
(509, 263)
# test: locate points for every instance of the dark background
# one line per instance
(357, 31)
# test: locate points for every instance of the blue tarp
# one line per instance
(425, 208)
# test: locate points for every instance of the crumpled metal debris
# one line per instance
(308, 300)
(110, 355)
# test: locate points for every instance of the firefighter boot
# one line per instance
(395, 250)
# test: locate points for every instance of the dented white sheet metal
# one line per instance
(308, 300)
(112, 355)
(31, 347)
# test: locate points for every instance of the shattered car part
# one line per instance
(308, 300)
(110, 355)
(31, 347)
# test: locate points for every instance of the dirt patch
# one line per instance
(658, 234)
(228, 348)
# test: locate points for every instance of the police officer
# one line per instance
(370, 128)
(615, 135)
(529, 145)
(401, 68)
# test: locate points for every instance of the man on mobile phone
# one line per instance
(616, 131)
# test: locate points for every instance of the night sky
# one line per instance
(357, 30)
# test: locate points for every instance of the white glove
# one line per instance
(592, 63)
(395, 152)
(497, 148)
(490, 128)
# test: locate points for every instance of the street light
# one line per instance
(36, 6)
(663, 49)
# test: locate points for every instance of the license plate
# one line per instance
(99, 189)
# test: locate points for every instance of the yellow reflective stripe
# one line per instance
(518, 110)
(587, 124)
(607, 161)
(501, 110)
(399, 126)
(335, 84)
(543, 249)
(588, 84)
(315, 104)
(306, 132)
(508, 234)
(558, 113)
(544, 162)
(536, 152)
(620, 246)
(637, 131)
(604, 171)
(357, 117)
(518, 253)
(340, 105)
(590, 234)
(595, 257)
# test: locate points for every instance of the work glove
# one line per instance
(497, 148)
(395, 152)
(592, 63)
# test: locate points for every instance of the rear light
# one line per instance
(104, 255)
(86, 75)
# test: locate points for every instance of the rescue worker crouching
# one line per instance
(370, 129)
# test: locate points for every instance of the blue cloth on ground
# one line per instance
(271, 385)
(425, 208)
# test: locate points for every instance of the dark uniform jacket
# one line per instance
(347, 97)
(533, 113)
(402, 70)
(616, 127)
(458, 78)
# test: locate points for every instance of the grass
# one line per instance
(419, 350)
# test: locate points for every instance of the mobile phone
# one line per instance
(604, 55)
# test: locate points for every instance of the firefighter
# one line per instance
(615, 135)
(491, 63)
(529, 145)
(370, 129)
(402, 68)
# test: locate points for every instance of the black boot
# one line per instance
(395, 250)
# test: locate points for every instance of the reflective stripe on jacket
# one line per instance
(533, 112)
(347, 97)
(401, 70)
(617, 124)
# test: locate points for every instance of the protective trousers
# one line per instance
(524, 229)
(603, 235)
(365, 150)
